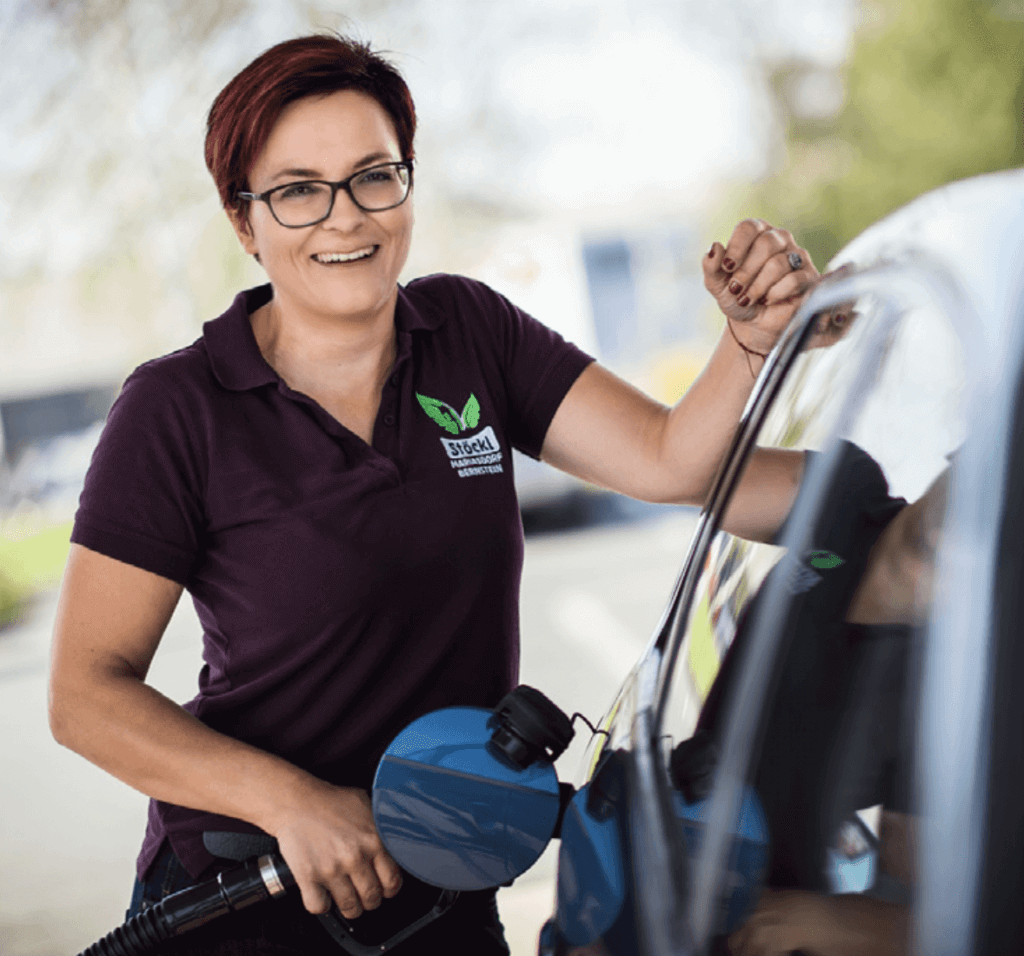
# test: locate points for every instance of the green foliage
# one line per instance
(11, 599)
(934, 93)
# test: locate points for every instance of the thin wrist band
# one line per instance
(749, 352)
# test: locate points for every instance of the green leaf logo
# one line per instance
(825, 559)
(442, 413)
(447, 417)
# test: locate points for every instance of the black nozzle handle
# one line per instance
(251, 882)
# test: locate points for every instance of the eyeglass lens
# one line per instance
(380, 187)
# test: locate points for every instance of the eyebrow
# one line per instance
(368, 160)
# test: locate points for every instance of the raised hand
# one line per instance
(755, 283)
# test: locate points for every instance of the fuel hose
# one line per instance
(251, 882)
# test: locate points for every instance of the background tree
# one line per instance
(933, 91)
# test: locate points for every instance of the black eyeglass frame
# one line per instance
(340, 184)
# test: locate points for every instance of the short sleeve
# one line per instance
(142, 498)
(537, 364)
(540, 368)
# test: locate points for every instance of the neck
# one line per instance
(302, 347)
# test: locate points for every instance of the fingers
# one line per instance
(333, 849)
(743, 237)
(755, 260)
(315, 898)
(788, 285)
(349, 900)
(388, 873)
(715, 277)
(369, 893)
(766, 264)
(353, 887)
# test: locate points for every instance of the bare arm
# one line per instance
(850, 924)
(798, 920)
(896, 587)
(609, 433)
(110, 619)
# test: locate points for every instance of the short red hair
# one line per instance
(246, 110)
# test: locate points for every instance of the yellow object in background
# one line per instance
(35, 561)
(673, 371)
(703, 656)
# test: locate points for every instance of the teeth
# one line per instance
(344, 256)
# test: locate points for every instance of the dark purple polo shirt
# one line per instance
(343, 589)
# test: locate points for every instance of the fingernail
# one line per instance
(840, 319)
(728, 265)
(711, 252)
(745, 301)
(735, 288)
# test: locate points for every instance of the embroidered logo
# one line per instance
(446, 416)
(476, 454)
(802, 578)
(825, 559)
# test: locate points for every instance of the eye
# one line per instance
(303, 190)
(379, 174)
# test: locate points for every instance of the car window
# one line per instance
(878, 404)
(908, 420)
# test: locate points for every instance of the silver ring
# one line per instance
(796, 261)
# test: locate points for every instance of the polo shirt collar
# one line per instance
(234, 355)
(236, 359)
(414, 312)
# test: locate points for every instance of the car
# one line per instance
(717, 774)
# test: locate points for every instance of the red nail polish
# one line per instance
(745, 301)
(735, 288)
(711, 252)
(728, 265)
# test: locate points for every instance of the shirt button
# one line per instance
(389, 419)
(394, 381)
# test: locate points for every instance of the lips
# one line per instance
(329, 258)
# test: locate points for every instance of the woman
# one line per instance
(327, 472)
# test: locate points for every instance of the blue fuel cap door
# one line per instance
(454, 814)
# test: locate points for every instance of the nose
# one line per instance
(345, 214)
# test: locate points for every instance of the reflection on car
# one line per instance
(823, 736)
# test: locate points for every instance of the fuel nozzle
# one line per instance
(235, 889)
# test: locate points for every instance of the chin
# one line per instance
(354, 303)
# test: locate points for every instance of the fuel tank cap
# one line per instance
(452, 812)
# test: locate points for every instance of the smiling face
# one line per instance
(346, 266)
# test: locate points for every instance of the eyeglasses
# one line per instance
(310, 201)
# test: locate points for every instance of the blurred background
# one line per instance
(579, 155)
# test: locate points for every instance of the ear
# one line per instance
(243, 229)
